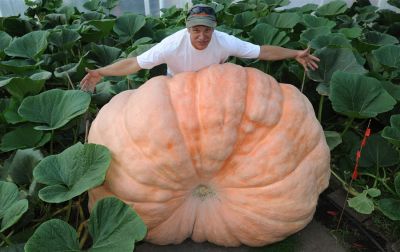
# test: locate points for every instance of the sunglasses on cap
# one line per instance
(201, 9)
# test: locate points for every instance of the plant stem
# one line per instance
(67, 216)
(5, 239)
(321, 105)
(382, 181)
(347, 126)
(345, 185)
(51, 142)
(302, 83)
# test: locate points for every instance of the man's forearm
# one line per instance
(120, 68)
(277, 53)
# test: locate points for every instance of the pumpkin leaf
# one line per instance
(333, 60)
(333, 139)
(53, 235)
(91, 5)
(378, 152)
(20, 87)
(64, 38)
(265, 34)
(110, 218)
(244, 19)
(332, 8)
(281, 20)
(372, 40)
(388, 55)
(312, 21)
(11, 112)
(22, 138)
(359, 96)
(105, 55)
(392, 132)
(392, 89)
(351, 33)
(95, 30)
(31, 45)
(126, 26)
(312, 33)
(20, 168)
(11, 208)
(390, 208)
(5, 41)
(19, 66)
(361, 203)
(113, 225)
(331, 40)
(74, 71)
(54, 108)
(72, 172)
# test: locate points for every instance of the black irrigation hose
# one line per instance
(358, 225)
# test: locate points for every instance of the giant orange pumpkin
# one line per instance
(225, 155)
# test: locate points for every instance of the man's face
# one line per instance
(200, 36)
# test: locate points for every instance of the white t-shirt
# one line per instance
(179, 54)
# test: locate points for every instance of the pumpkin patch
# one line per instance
(225, 155)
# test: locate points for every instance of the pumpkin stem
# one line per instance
(203, 192)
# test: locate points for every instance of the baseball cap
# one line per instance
(201, 14)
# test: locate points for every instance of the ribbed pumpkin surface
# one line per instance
(225, 155)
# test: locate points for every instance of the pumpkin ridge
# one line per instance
(180, 126)
(239, 141)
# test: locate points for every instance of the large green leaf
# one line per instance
(20, 168)
(392, 89)
(390, 208)
(111, 218)
(95, 30)
(54, 108)
(378, 152)
(105, 55)
(109, 4)
(72, 172)
(64, 38)
(5, 41)
(312, 21)
(333, 60)
(265, 34)
(333, 139)
(113, 225)
(20, 86)
(351, 33)
(74, 71)
(11, 207)
(31, 45)
(53, 236)
(311, 33)
(281, 20)
(388, 55)
(332, 8)
(373, 40)
(11, 112)
(392, 132)
(126, 26)
(244, 19)
(358, 96)
(23, 137)
(19, 66)
(92, 5)
(331, 40)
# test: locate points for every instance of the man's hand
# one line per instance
(307, 60)
(90, 80)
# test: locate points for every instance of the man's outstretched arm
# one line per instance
(119, 68)
(304, 57)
